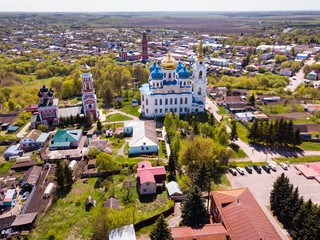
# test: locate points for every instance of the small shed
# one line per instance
(12, 129)
(4, 126)
(24, 221)
(48, 190)
(112, 203)
(73, 164)
(90, 202)
(9, 199)
(174, 190)
(31, 178)
(123, 233)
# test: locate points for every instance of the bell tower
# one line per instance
(200, 76)
(89, 99)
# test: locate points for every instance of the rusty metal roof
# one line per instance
(214, 231)
(242, 215)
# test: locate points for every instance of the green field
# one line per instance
(242, 164)
(300, 159)
(117, 117)
(242, 132)
(310, 146)
(237, 151)
(280, 108)
(5, 167)
(131, 110)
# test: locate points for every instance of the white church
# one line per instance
(170, 87)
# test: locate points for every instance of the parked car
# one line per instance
(25, 196)
(248, 168)
(240, 170)
(266, 168)
(257, 168)
(233, 171)
(284, 166)
(273, 167)
(294, 78)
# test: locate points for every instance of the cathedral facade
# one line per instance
(171, 88)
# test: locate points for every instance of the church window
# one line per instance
(169, 75)
(165, 75)
(156, 101)
(90, 106)
(160, 101)
(175, 110)
(153, 84)
(180, 83)
(185, 109)
(175, 101)
(147, 110)
(157, 84)
(200, 74)
(166, 101)
(160, 110)
(170, 100)
(184, 83)
(186, 101)
(181, 100)
(199, 91)
(87, 85)
(156, 110)
(142, 106)
(180, 109)
(142, 97)
(146, 101)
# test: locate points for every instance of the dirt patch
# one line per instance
(291, 116)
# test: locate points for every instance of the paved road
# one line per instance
(23, 130)
(299, 78)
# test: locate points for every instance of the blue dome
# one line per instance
(157, 73)
(153, 67)
(179, 66)
(184, 73)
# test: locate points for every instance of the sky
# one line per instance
(155, 5)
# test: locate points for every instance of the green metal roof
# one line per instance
(63, 138)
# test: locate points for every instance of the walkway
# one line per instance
(23, 130)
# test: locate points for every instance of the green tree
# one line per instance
(160, 230)
(43, 128)
(234, 133)
(106, 163)
(68, 175)
(297, 137)
(201, 178)
(99, 125)
(252, 100)
(93, 152)
(59, 174)
(193, 210)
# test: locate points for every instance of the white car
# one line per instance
(273, 167)
(284, 166)
(240, 170)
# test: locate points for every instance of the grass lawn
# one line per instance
(5, 167)
(242, 132)
(220, 182)
(237, 151)
(299, 159)
(116, 142)
(280, 108)
(310, 146)
(113, 125)
(242, 164)
(162, 149)
(117, 117)
(223, 111)
(106, 111)
(131, 110)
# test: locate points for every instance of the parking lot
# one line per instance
(261, 184)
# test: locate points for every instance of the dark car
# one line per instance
(266, 168)
(233, 171)
(248, 168)
(257, 168)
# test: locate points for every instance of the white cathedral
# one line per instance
(171, 88)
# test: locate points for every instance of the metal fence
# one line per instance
(28, 200)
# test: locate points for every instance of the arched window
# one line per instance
(184, 83)
(87, 85)
(186, 101)
(171, 91)
(160, 101)
(200, 74)
(146, 101)
(165, 75)
(199, 91)
(90, 106)
(156, 101)
(169, 75)
(170, 100)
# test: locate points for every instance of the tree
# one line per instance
(297, 137)
(234, 132)
(67, 175)
(127, 185)
(93, 152)
(43, 128)
(252, 100)
(59, 175)
(193, 210)
(160, 230)
(211, 119)
(99, 125)
(106, 163)
(201, 178)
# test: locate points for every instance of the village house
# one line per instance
(313, 75)
(144, 137)
(285, 72)
(149, 177)
(65, 139)
(35, 139)
(251, 222)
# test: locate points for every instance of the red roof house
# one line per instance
(148, 177)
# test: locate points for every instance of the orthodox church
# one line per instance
(171, 87)
(48, 111)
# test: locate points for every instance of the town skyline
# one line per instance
(148, 6)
